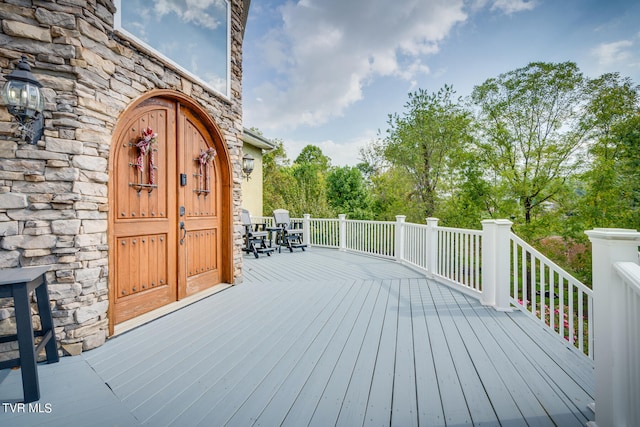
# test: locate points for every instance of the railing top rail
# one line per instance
(369, 221)
(460, 230)
(630, 273)
(584, 288)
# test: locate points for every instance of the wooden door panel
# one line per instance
(142, 275)
(144, 198)
(145, 234)
(201, 198)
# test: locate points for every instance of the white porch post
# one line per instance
(432, 246)
(342, 232)
(608, 247)
(306, 229)
(495, 263)
(399, 249)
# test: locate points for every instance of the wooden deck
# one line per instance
(320, 338)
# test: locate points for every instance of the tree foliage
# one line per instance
(530, 132)
(611, 186)
(425, 141)
(347, 192)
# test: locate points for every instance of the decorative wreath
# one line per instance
(145, 147)
(204, 160)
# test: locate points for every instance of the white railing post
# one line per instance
(496, 273)
(399, 249)
(342, 232)
(610, 246)
(306, 229)
(432, 246)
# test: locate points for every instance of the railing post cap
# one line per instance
(306, 215)
(342, 216)
(401, 218)
(503, 222)
(625, 234)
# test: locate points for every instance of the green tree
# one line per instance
(391, 191)
(347, 192)
(425, 141)
(530, 132)
(279, 186)
(310, 170)
(612, 117)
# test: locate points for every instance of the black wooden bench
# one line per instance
(18, 283)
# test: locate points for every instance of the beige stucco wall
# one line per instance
(252, 188)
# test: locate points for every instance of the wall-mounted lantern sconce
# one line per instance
(247, 165)
(21, 94)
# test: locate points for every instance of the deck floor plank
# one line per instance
(330, 375)
(353, 404)
(322, 361)
(206, 353)
(381, 392)
(478, 403)
(512, 382)
(454, 405)
(317, 338)
(404, 411)
(538, 381)
(212, 386)
(430, 411)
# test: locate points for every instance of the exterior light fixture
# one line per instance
(21, 94)
(247, 165)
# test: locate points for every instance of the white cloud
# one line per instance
(613, 53)
(197, 11)
(341, 153)
(513, 6)
(326, 51)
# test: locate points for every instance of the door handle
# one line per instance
(182, 227)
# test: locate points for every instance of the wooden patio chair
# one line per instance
(289, 234)
(256, 236)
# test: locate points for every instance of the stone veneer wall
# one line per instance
(53, 196)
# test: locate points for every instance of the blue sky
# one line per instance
(329, 72)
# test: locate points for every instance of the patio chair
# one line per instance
(256, 236)
(289, 234)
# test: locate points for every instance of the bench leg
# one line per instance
(46, 320)
(25, 342)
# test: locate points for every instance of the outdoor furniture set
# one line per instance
(261, 238)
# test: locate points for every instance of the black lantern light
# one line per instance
(247, 165)
(21, 94)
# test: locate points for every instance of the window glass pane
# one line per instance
(193, 34)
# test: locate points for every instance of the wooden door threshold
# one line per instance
(164, 310)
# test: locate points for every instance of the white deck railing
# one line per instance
(459, 257)
(543, 289)
(616, 293)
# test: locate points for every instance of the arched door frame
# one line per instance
(225, 176)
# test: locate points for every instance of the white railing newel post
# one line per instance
(610, 246)
(399, 249)
(342, 232)
(496, 273)
(432, 246)
(306, 229)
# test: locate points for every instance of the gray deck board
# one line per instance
(321, 338)
(430, 411)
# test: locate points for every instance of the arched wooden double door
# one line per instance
(168, 208)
